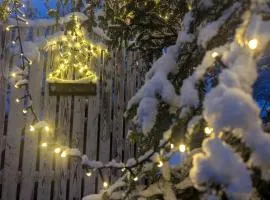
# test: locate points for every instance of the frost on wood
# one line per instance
(218, 164)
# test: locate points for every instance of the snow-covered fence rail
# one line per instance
(93, 124)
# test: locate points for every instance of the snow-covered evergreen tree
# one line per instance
(197, 98)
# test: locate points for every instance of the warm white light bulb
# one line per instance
(18, 100)
(105, 184)
(172, 146)
(24, 111)
(253, 44)
(88, 174)
(57, 150)
(136, 178)
(160, 164)
(44, 144)
(63, 154)
(13, 74)
(215, 54)
(208, 130)
(182, 148)
(47, 128)
(32, 128)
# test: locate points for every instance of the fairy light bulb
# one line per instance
(124, 169)
(215, 54)
(57, 150)
(88, 174)
(16, 86)
(7, 29)
(13, 74)
(135, 178)
(208, 130)
(32, 128)
(105, 184)
(160, 164)
(182, 148)
(13, 42)
(18, 100)
(47, 128)
(24, 111)
(44, 145)
(26, 22)
(253, 44)
(63, 154)
(172, 146)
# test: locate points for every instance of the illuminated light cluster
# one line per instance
(74, 55)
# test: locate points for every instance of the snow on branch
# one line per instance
(157, 83)
(211, 29)
(218, 164)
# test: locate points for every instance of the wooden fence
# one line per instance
(93, 124)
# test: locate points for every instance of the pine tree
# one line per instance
(197, 99)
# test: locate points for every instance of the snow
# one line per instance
(211, 29)
(40, 125)
(91, 164)
(49, 22)
(99, 31)
(157, 83)
(212, 167)
(21, 82)
(189, 94)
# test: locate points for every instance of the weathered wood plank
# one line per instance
(105, 120)
(48, 111)
(62, 132)
(76, 172)
(30, 145)
(13, 140)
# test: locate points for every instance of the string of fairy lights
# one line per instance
(74, 50)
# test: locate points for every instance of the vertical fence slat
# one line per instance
(14, 131)
(63, 131)
(92, 138)
(49, 112)
(30, 149)
(77, 142)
